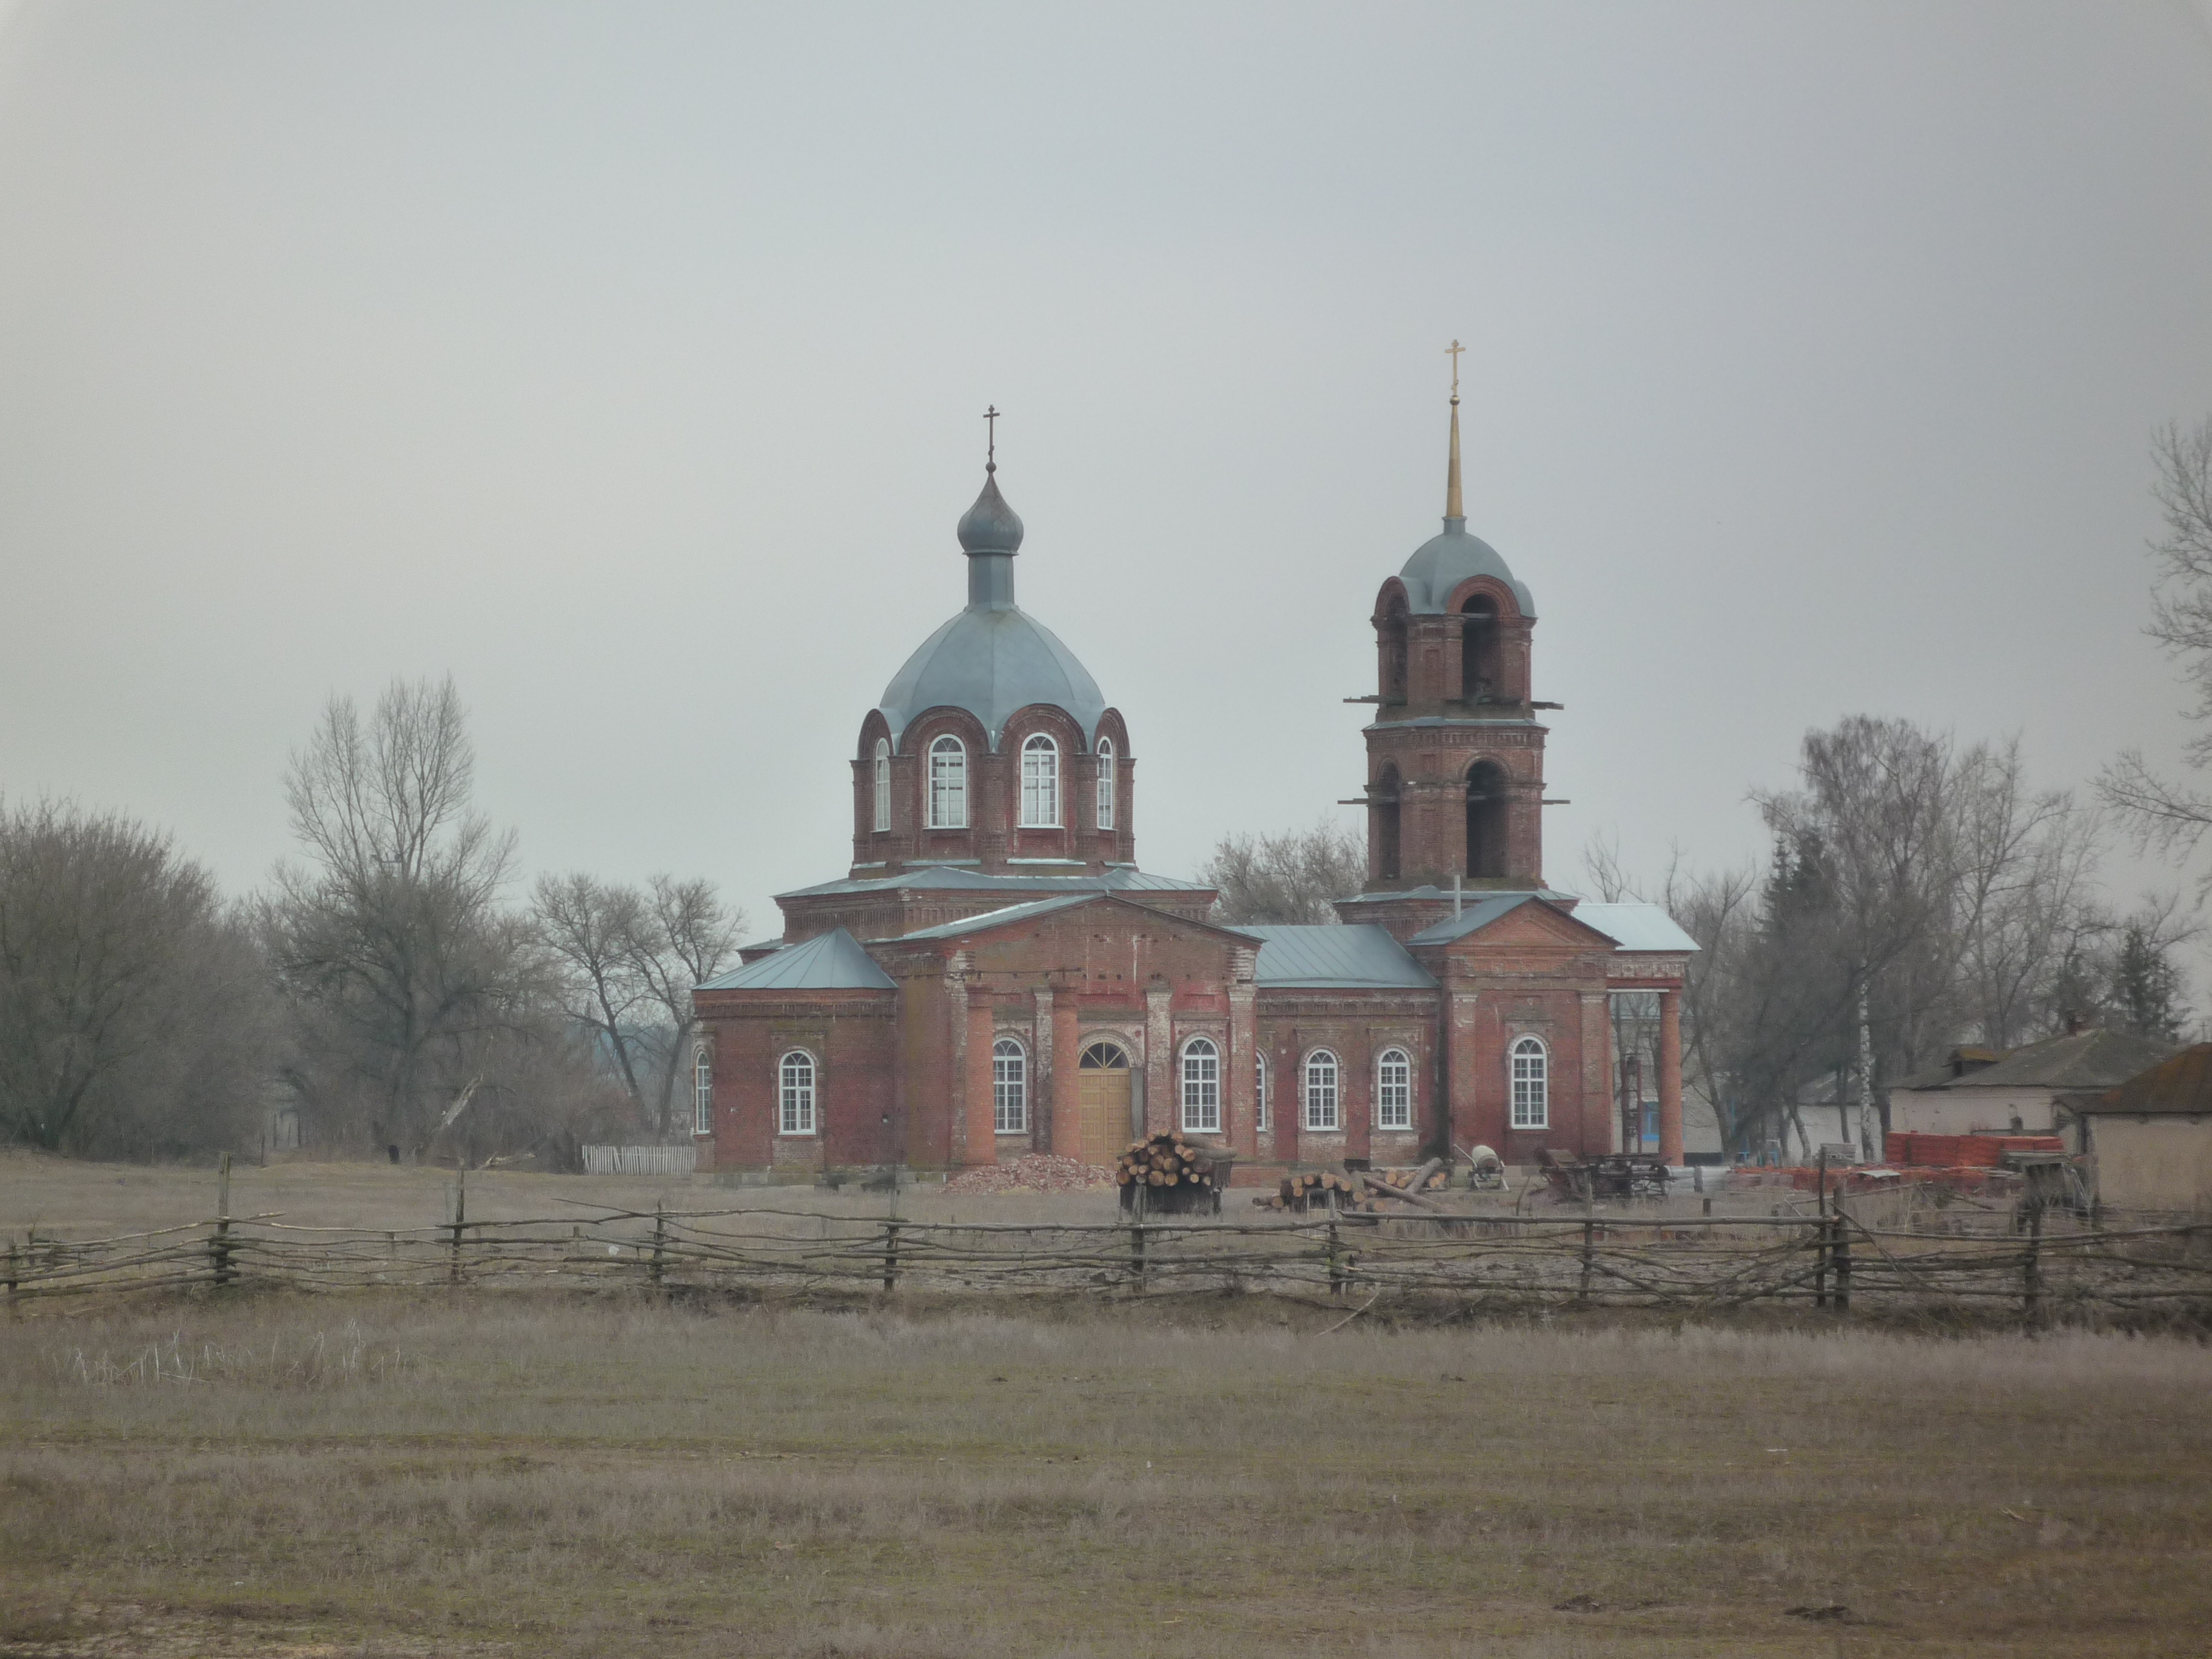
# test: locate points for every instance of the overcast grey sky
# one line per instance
(627, 362)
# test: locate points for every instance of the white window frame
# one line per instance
(1010, 1087)
(797, 1087)
(1201, 1086)
(1040, 783)
(883, 785)
(1529, 1066)
(947, 783)
(1320, 1091)
(1105, 783)
(702, 1092)
(1260, 1093)
(1394, 1094)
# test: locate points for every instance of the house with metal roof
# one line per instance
(1978, 1090)
(2147, 1142)
(994, 975)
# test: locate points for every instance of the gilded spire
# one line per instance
(1455, 508)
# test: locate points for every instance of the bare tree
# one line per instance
(131, 1015)
(630, 960)
(1290, 877)
(2160, 812)
(405, 977)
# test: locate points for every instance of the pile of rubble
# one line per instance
(1036, 1172)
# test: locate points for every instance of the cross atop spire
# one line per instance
(991, 428)
(1455, 508)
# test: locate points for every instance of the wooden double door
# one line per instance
(1102, 1102)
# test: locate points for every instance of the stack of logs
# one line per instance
(1165, 1160)
(1362, 1191)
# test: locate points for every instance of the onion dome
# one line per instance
(992, 659)
(1441, 563)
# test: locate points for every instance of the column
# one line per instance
(975, 1094)
(1042, 1069)
(1067, 1081)
(1670, 1077)
(1238, 1075)
(1163, 1103)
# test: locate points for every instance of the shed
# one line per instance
(2148, 1142)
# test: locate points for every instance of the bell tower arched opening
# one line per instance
(1392, 649)
(1481, 676)
(1383, 822)
(1486, 788)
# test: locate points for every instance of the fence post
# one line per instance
(1840, 1225)
(219, 1243)
(2031, 1288)
(1335, 1261)
(891, 1256)
(1589, 1253)
(660, 1239)
(460, 1217)
(11, 1275)
(1137, 1252)
(1821, 1241)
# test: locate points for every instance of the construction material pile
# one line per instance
(1034, 1172)
(1172, 1173)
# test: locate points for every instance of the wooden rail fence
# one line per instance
(2044, 1272)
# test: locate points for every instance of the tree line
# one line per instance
(386, 989)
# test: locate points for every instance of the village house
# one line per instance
(994, 974)
(2147, 1143)
(1979, 1090)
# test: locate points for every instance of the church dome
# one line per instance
(992, 659)
(1442, 562)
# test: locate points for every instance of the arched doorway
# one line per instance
(1486, 819)
(1102, 1102)
(1382, 824)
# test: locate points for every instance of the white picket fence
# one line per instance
(640, 1160)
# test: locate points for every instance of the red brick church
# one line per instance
(994, 975)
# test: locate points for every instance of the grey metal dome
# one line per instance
(992, 659)
(1442, 562)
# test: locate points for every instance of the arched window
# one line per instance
(1105, 783)
(1394, 1090)
(1383, 823)
(1486, 819)
(1009, 1087)
(1202, 1087)
(1260, 1093)
(795, 1106)
(948, 784)
(883, 785)
(703, 1093)
(1532, 1089)
(1320, 1091)
(1040, 783)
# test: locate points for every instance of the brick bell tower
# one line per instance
(1454, 754)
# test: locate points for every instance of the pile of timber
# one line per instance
(1364, 1191)
(1173, 1173)
(1301, 1193)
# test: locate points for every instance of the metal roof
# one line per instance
(1361, 955)
(828, 962)
(995, 918)
(1442, 562)
(1477, 913)
(1119, 879)
(1637, 927)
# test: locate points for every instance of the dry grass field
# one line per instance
(513, 1473)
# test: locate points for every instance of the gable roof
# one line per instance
(2080, 1060)
(828, 962)
(1011, 914)
(2181, 1085)
(1361, 955)
(1637, 927)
